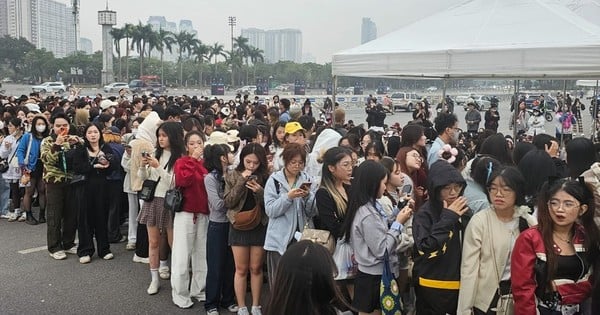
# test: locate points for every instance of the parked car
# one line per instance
(482, 102)
(57, 87)
(156, 87)
(461, 100)
(7, 80)
(115, 87)
(432, 89)
(549, 102)
(246, 89)
(404, 101)
(349, 90)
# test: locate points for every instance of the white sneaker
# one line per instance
(5, 216)
(214, 311)
(108, 256)
(130, 246)
(85, 259)
(72, 250)
(58, 255)
(233, 308)
(164, 272)
(12, 217)
(153, 288)
(243, 311)
(23, 217)
(140, 260)
(256, 310)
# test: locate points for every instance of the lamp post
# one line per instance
(232, 23)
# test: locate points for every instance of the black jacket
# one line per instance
(438, 233)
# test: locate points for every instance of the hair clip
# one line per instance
(489, 171)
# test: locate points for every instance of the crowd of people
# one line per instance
(453, 214)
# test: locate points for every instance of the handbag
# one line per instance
(148, 189)
(247, 220)
(389, 291)
(174, 198)
(343, 256)
(322, 237)
(4, 165)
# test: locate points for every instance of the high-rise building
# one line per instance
(278, 45)
(160, 22)
(187, 26)
(368, 30)
(85, 45)
(46, 24)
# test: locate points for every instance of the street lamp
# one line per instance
(232, 23)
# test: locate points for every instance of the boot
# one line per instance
(30, 219)
(42, 218)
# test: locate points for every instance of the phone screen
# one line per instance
(305, 186)
(406, 190)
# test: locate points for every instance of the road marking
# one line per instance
(33, 250)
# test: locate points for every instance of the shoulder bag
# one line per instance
(391, 304)
(26, 176)
(174, 197)
(148, 188)
(12, 162)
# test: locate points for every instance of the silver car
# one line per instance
(115, 87)
(57, 87)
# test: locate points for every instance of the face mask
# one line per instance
(40, 128)
(134, 131)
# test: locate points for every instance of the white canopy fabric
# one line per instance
(505, 39)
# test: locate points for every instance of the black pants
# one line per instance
(93, 217)
(141, 241)
(115, 193)
(221, 268)
(435, 301)
(61, 216)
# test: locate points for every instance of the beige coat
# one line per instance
(486, 239)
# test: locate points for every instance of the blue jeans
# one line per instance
(4, 196)
(219, 258)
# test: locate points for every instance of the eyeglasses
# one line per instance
(504, 190)
(566, 205)
(452, 187)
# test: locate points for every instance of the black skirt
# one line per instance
(367, 287)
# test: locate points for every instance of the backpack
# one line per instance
(567, 121)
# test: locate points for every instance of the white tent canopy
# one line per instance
(505, 39)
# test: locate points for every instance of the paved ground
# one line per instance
(34, 283)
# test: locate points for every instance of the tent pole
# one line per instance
(444, 90)
(595, 115)
(562, 129)
(333, 89)
(516, 110)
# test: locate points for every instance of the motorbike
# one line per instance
(546, 113)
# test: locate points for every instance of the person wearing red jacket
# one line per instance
(552, 263)
(190, 226)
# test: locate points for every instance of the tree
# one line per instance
(240, 45)
(13, 51)
(127, 33)
(185, 42)
(165, 40)
(201, 53)
(235, 60)
(118, 34)
(141, 36)
(216, 50)
(38, 63)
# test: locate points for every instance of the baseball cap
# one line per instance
(105, 104)
(292, 127)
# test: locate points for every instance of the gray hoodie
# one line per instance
(286, 216)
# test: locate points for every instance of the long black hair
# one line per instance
(212, 157)
(580, 156)
(364, 189)
(100, 140)
(174, 132)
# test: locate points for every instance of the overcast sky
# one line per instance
(327, 26)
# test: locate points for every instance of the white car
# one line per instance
(247, 89)
(58, 87)
(115, 87)
(432, 89)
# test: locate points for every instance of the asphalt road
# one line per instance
(34, 283)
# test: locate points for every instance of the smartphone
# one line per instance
(407, 190)
(305, 186)
(63, 131)
(252, 178)
(145, 154)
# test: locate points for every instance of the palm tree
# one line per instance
(236, 60)
(215, 51)
(118, 34)
(185, 42)
(141, 36)
(201, 53)
(127, 33)
(256, 56)
(241, 46)
(165, 40)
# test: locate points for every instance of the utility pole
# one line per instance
(75, 4)
(232, 23)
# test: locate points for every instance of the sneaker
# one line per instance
(85, 259)
(130, 246)
(140, 260)
(108, 256)
(256, 310)
(164, 272)
(72, 250)
(23, 217)
(5, 216)
(213, 311)
(243, 311)
(233, 308)
(30, 220)
(121, 239)
(153, 288)
(12, 217)
(58, 255)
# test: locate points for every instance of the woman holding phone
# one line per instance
(289, 203)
